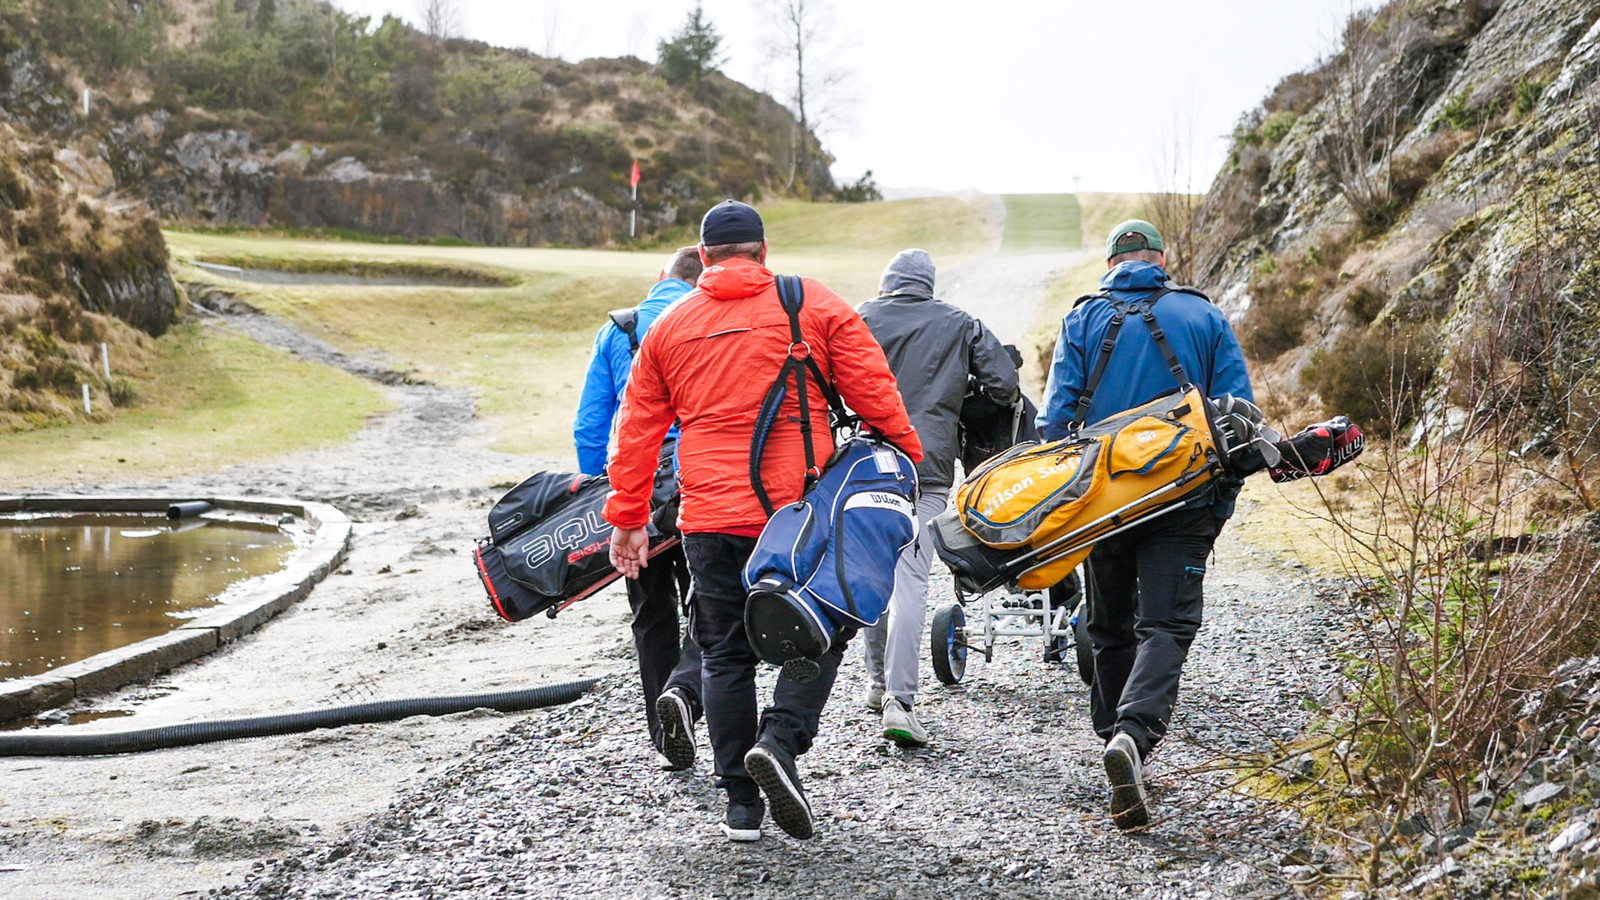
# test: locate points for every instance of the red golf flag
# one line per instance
(633, 180)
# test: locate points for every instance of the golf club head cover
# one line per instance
(1319, 449)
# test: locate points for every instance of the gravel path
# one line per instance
(1007, 801)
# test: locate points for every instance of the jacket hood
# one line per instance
(735, 279)
(1134, 275)
(668, 289)
(910, 274)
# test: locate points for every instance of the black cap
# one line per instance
(731, 222)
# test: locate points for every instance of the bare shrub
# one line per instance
(1284, 292)
(1375, 376)
(1373, 89)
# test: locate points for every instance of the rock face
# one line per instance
(80, 266)
(1433, 185)
(227, 177)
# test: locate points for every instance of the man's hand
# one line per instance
(630, 549)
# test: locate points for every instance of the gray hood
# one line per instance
(910, 273)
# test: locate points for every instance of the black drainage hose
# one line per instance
(288, 723)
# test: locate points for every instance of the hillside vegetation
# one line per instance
(291, 113)
(1409, 233)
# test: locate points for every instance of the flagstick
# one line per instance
(633, 214)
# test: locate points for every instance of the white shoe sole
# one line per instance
(1128, 808)
(741, 835)
(677, 730)
(785, 803)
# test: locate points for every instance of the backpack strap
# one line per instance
(627, 320)
(797, 365)
(1145, 307)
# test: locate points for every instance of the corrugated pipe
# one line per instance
(288, 723)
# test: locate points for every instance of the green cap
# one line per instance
(1134, 234)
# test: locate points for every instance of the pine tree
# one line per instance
(691, 53)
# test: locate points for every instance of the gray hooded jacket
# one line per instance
(932, 348)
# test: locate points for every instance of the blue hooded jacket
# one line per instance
(608, 377)
(1200, 336)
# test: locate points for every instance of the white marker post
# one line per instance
(85, 101)
(87, 409)
(633, 211)
(105, 359)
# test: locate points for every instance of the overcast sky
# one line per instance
(1004, 96)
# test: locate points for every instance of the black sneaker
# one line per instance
(677, 729)
(772, 767)
(1123, 770)
(742, 824)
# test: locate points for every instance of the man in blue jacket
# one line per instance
(1149, 594)
(670, 676)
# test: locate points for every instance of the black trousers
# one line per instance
(656, 598)
(1146, 609)
(729, 667)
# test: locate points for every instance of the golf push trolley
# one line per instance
(1058, 616)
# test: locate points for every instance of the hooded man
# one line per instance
(934, 350)
(708, 365)
(1148, 600)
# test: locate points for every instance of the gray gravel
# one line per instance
(1008, 800)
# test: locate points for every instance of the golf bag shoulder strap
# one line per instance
(1145, 308)
(797, 366)
(627, 321)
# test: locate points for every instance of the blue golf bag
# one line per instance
(827, 561)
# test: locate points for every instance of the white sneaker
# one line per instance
(873, 697)
(900, 724)
(1126, 774)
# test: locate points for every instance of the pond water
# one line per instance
(73, 586)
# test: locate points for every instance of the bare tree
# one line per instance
(441, 19)
(1176, 202)
(806, 33)
(637, 33)
(563, 24)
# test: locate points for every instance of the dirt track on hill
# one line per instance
(1008, 800)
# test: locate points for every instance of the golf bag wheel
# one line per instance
(1080, 640)
(948, 644)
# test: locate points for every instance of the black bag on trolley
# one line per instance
(549, 547)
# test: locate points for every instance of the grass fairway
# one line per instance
(1038, 223)
(523, 348)
(216, 398)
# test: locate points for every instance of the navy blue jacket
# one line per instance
(608, 377)
(1199, 334)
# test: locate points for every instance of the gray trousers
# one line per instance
(894, 646)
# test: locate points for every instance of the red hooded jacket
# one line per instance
(707, 363)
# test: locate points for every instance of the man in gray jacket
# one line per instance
(932, 348)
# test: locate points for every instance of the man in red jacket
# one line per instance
(707, 364)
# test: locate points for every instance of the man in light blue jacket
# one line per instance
(1137, 339)
(670, 676)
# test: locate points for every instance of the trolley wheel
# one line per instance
(948, 644)
(1080, 630)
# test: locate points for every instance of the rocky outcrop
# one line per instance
(228, 177)
(1435, 184)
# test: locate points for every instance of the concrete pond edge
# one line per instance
(245, 607)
